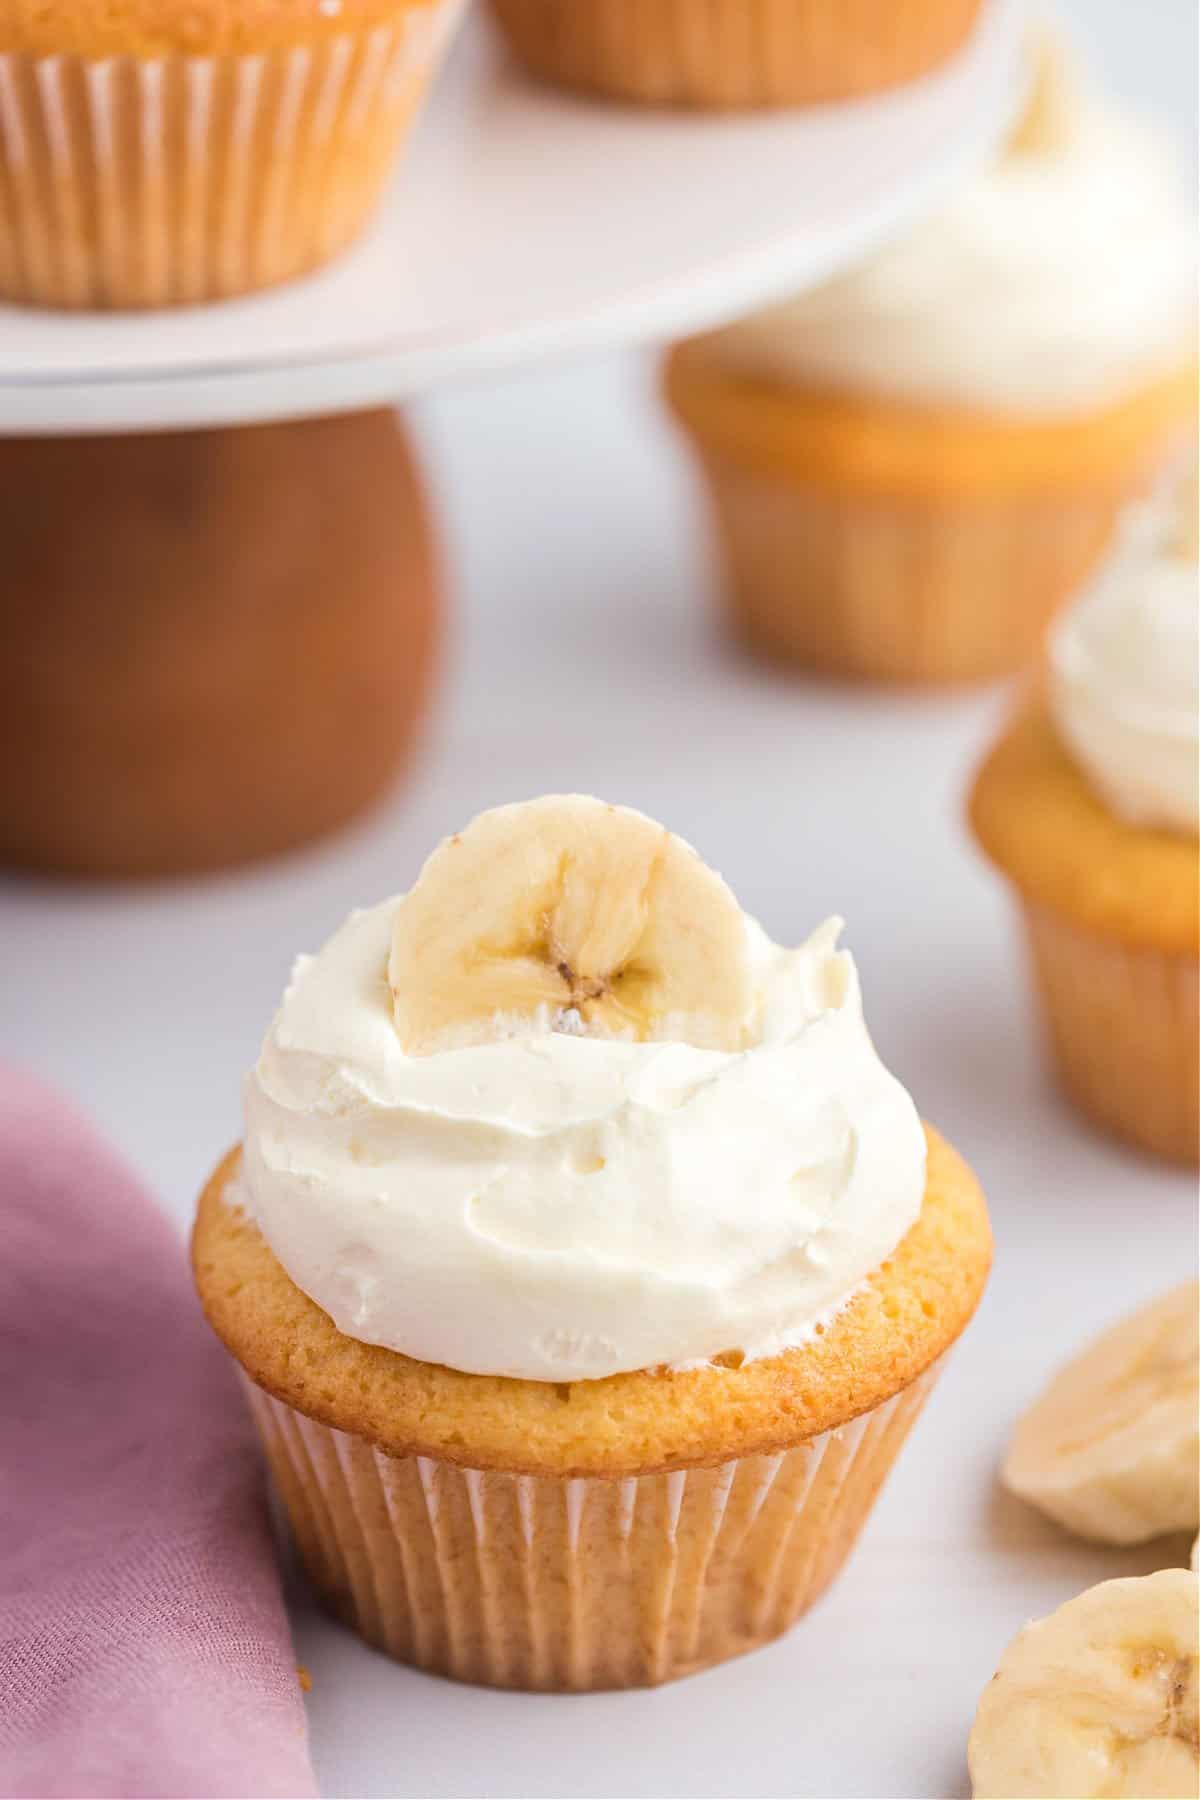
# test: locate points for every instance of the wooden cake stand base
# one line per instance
(214, 645)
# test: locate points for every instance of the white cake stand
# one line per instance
(525, 223)
(522, 222)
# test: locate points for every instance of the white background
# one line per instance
(584, 653)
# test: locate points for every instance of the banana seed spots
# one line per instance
(1182, 1718)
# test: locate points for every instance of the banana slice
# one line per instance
(1097, 1700)
(567, 914)
(1112, 1449)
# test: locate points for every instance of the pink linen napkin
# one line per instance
(144, 1647)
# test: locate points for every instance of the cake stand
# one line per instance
(522, 223)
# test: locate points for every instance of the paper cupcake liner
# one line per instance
(900, 588)
(733, 53)
(1124, 1027)
(133, 182)
(557, 1583)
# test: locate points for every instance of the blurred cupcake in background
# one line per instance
(1089, 804)
(913, 466)
(733, 53)
(152, 155)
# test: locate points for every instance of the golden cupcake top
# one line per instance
(145, 28)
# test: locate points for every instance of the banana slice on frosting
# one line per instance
(568, 914)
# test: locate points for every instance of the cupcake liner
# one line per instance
(733, 53)
(1124, 1027)
(575, 1583)
(899, 588)
(132, 182)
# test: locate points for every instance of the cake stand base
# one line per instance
(214, 645)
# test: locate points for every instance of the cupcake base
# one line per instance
(885, 588)
(214, 645)
(879, 540)
(733, 53)
(1112, 914)
(577, 1583)
(1123, 1022)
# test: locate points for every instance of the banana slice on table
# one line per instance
(568, 914)
(1112, 1448)
(1097, 1700)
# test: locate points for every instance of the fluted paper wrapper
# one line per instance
(901, 588)
(733, 53)
(145, 182)
(1123, 1024)
(571, 1583)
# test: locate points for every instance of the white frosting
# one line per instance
(1055, 282)
(562, 1207)
(1125, 678)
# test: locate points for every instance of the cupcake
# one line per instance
(1088, 804)
(158, 154)
(913, 466)
(585, 1266)
(733, 53)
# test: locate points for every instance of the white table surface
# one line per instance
(584, 653)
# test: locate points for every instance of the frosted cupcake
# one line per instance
(912, 467)
(152, 155)
(1089, 805)
(733, 53)
(586, 1266)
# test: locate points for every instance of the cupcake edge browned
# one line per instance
(898, 1324)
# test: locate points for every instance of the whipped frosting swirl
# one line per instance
(1057, 281)
(1125, 676)
(565, 1208)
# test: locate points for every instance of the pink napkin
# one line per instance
(144, 1647)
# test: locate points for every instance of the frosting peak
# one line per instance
(1061, 279)
(564, 1207)
(1125, 672)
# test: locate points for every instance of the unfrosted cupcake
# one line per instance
(586, 1266)
(182, 150)
(733, 53)
(1089, 805)
(913, 466)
